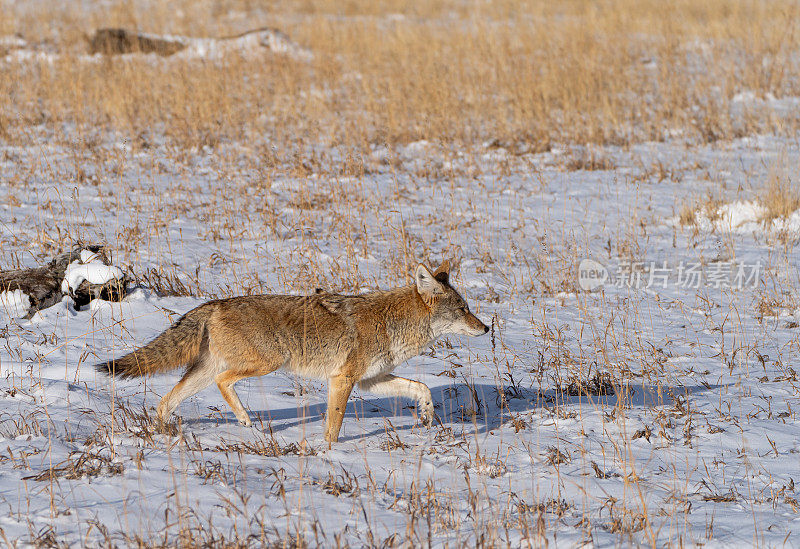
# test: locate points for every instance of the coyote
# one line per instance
(347, 339)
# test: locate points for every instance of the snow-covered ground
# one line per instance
(686, 430)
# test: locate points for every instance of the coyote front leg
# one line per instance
(339, 389)
(391, 385)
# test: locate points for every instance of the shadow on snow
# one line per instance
(485, 406)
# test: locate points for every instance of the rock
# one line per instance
(118, 41)
(44, 285)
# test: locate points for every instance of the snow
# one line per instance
(12, 42)
(695, 442)
(739, 213)
(249, 44)
(14, 49)
(14, 304)
(745, 216)
(88, 256)
(89, 268)
(748, 101)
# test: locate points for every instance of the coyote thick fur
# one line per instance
(346, 339)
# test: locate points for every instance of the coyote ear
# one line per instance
(442, 274)
(427, 283)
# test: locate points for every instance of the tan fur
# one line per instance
(345, 339)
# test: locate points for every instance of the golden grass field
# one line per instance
(527, 74)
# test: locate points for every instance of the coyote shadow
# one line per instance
(484, 406)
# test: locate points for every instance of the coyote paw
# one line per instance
(330, 437)
(426, 413)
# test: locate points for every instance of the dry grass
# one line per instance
(83, 465)
(687, 214)
(525, 74)
(708, 207)
(781, 197)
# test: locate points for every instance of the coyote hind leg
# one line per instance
(225, 381)
(254, 366)
(198, 376)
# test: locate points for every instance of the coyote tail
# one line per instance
(179, 344)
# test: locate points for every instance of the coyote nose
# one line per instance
(485, 328)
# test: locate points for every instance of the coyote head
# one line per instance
(449, 311)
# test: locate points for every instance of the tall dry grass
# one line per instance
(525, 74)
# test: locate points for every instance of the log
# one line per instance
(43, 285)
(123, 41)
(118, 41)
